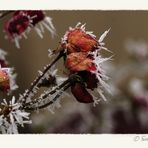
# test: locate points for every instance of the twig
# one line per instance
(48, 93)
(36, 81)
(65, 85)
(51, 101)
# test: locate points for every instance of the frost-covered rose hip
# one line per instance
(81, 94)
(77, 40)
(79, 61)
(84, 59)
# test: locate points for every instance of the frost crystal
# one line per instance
(2, 54)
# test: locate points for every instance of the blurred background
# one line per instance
(126, 110)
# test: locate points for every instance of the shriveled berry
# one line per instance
(81, 94)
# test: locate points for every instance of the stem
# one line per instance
(65, 85)
(58, 88)
(48, 93)
(36, 81)
(50, 102)
(3, 14)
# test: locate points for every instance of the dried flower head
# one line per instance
(79, 61)
(7, 80)
(22, 22)
(35, 15)
(4, 81)
(83, 57)
(77, 39)
(11, 116)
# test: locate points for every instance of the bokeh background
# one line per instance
(126, 110)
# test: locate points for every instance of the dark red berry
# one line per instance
(81, 94)
(89, 78)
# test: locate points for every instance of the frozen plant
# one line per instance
(80, 50)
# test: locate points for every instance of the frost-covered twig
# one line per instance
(53, 95)
(34, 86)
(44, 103)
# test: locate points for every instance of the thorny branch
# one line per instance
(37, 80)
(64, 86)
(50, 102)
